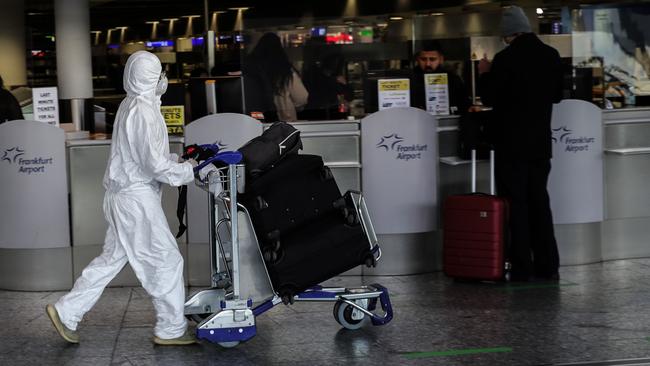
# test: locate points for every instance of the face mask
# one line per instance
(161, 88)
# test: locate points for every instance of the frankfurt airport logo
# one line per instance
(564, 136)
(406, 152)
(11, 155)
(35, 165)
(389, 142)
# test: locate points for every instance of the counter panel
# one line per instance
(627, 186)
(44, 269)
(626, 230)
(626, 238)
(618, 136)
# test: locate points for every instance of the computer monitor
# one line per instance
(228, 91)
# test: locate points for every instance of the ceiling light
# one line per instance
(300, 27)
(169, 19)
(153, 22)
(540, 11)
(190, 16)
(396, 18)
(436, 14)
(240, 8)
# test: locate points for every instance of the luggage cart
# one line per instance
(241, 288)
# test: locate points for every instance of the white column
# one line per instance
(73, 55)
(13, 64)
(73, 60)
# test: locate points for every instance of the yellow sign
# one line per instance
(437, 79)
(174, 116)
(390, 85)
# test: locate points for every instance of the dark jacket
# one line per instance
(9, 107)
(458, 96)
(522, 85)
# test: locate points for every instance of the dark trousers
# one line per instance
(532, 249)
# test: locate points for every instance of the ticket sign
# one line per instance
(174, 116)
(46, 105)
(393, 93)
(436, 89)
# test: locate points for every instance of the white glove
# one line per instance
(203, 173)
(192, 162)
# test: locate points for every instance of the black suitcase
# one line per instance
(297, 190)
(317, 252)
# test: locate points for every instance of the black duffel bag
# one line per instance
(266, 150)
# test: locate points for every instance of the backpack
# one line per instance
(263, 152)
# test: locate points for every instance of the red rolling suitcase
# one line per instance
(475, 232)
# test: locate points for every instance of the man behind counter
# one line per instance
(429, 60)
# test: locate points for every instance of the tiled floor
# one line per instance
(596, 313)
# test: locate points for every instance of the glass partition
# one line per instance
(610, 48)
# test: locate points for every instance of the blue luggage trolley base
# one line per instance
(240, 284)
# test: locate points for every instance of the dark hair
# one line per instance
(428, 46)
(269, 58)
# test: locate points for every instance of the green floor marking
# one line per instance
(458, 352)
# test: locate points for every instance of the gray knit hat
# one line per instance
(514, 21)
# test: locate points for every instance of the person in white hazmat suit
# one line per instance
(138, 232)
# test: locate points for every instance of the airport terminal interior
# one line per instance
(364, 259)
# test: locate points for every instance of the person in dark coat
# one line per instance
(429, 60)
(521, 84)
(9, 107)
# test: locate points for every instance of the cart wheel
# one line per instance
(343, 315)
(228, 344)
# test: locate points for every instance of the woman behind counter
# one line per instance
(272, 84)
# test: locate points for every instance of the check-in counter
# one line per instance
(622, 233)
(34, 230)
(627, 173)
(338, 142)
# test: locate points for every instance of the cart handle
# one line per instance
(227, 157)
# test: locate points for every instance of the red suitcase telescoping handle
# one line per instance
(492, 188)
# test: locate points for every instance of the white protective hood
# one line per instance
(140, 149)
